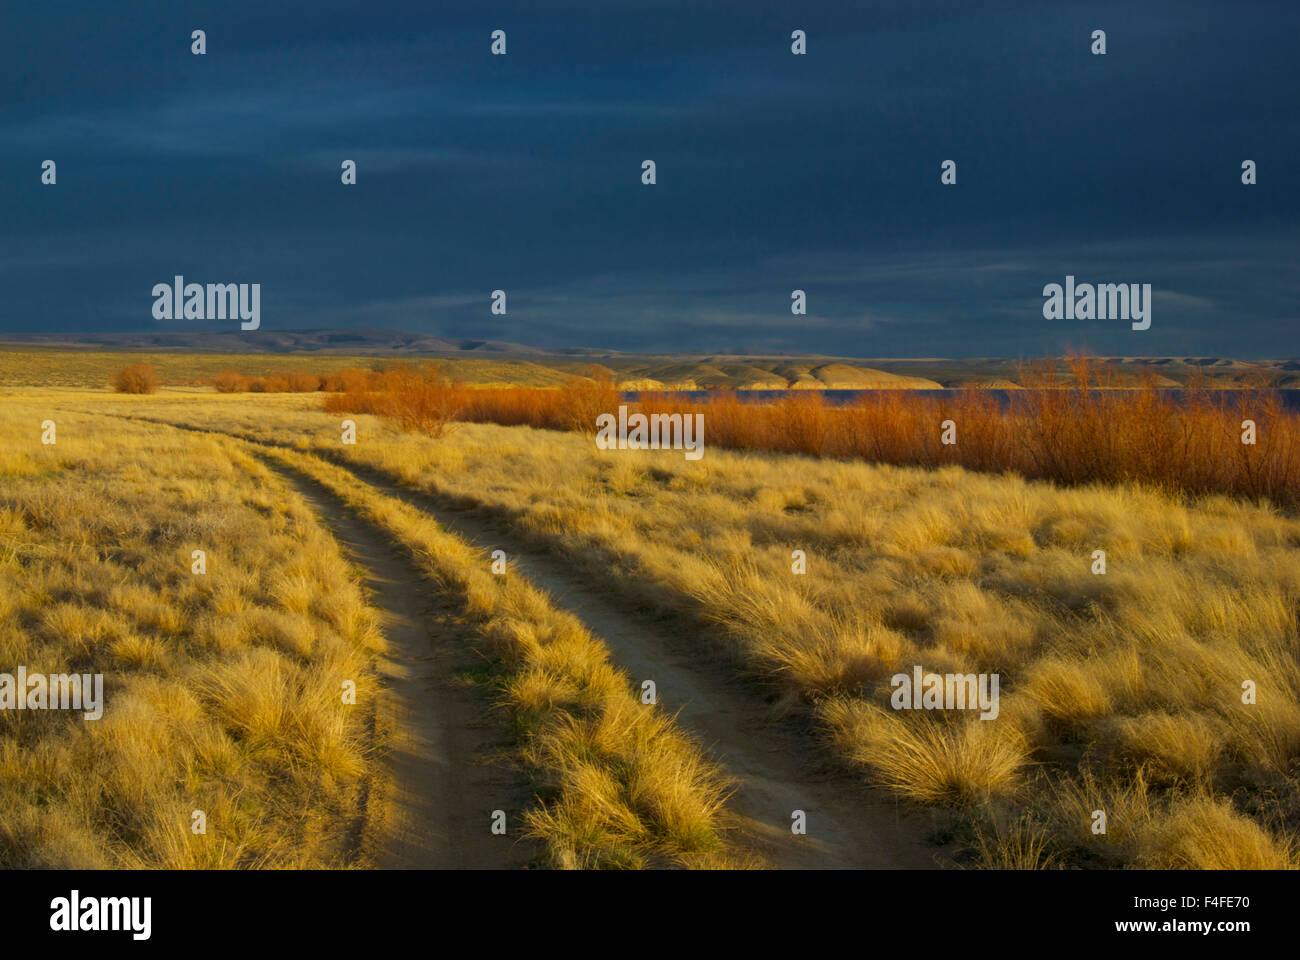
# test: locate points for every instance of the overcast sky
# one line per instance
(775, 171)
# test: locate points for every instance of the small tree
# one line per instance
(136, 378)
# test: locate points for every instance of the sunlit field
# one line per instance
(1144, 633)
(223, 704)
(219, 688)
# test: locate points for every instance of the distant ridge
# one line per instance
(491, 362)
(288, 341)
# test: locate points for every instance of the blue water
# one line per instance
(839, 398)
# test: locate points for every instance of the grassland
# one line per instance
(223, 688)
(93, 370)
(1121, 692)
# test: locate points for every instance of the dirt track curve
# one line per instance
(776, 766)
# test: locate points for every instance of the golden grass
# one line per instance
(1020, 844)
(929, 761)
(1204, 833)
(1120, 692)
(221, 689)
(224, 688)
(629, 789)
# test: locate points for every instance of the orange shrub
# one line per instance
(297, 381)
(348, 380)
(416, 399)
(229, 381)
(136, 378)
(1071, 429)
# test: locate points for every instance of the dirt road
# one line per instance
(777, 767)
(435, 804)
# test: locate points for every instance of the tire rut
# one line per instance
(438, 738)
(777, 771)
(776, 767)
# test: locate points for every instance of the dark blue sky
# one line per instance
(775, 171)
